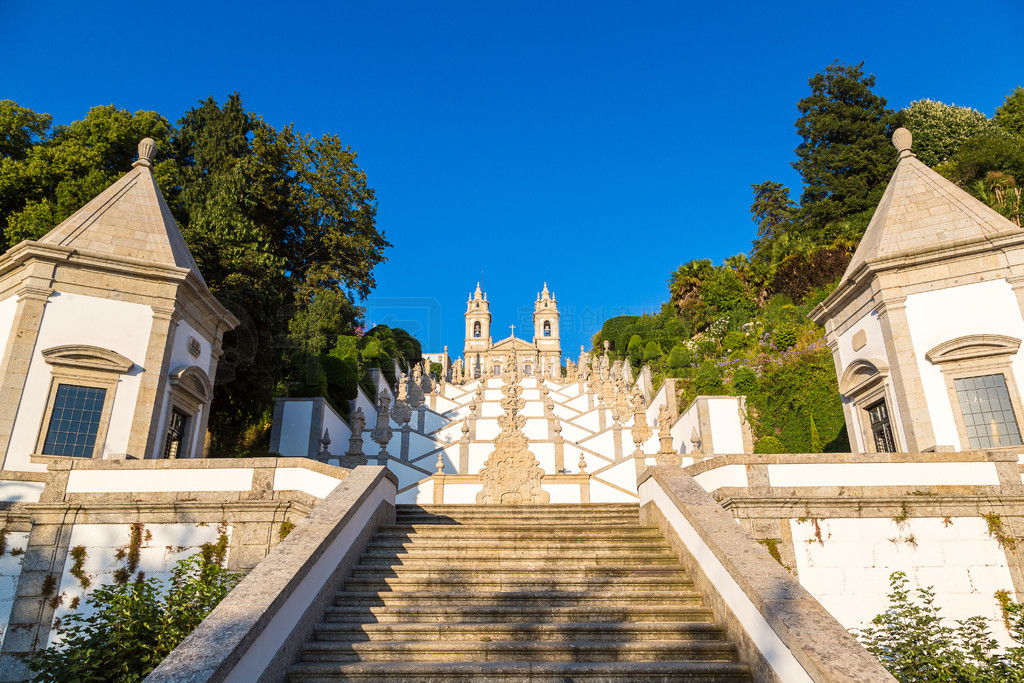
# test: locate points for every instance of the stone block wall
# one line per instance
(96, 520)
(951, 521)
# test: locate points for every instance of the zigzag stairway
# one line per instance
(518, 593)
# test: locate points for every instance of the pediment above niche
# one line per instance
(194, 381)
(973, 346)
(861, 374)
(87, 357)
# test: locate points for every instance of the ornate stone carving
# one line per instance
(402, 412)
(381, 433)
(355, 442)
(512, 475)
(416, 387)
(667, 454)
(695, 443)
(640, 432)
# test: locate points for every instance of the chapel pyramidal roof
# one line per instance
(130, 219)
(923, 214)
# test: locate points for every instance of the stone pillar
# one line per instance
(906, 379)
(28, 316)
(216, 351)
(147, 419)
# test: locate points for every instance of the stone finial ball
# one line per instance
(607, 345)
(902, 140)
(147, 149)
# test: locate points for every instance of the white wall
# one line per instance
(936, 317)
(162, 546)
(10, 572)
(75, 319)
(848, 569)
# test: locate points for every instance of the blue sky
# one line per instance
(592, 145)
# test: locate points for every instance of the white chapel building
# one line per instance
(109, 336)
(926, 325)
(542, 356)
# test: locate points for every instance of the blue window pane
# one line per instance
(74, 421)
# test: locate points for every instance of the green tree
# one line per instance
(684, 283)
(845, 158)
(20, 129)
(940, 130)
(48, 174)
(282, 226)
(653, 351)
(1010, 114)
(128, 628)
(772, 211)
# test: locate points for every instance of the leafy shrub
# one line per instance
(790, 393)
(744, 380)
(653, 351)
(734, 340)
(914, 644)
(129, 628)
(635, 350)
(769, 444)
(708, 381)
(680, 357)
(784, 337)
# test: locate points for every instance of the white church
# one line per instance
(506, 519)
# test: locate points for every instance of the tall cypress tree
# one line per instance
(845, 158)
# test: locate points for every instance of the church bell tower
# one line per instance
(545, 333)
(478, 331)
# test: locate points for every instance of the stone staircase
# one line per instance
(518, 593)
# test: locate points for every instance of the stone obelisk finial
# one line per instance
(902, 140)
(147, 150)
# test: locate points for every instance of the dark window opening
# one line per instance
(476, 329)
(881, 430)
(547, 328)
(176, 428)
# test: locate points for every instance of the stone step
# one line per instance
(553, 509)
(522, 672)
(531, 631)
(517, 613)
(566, 543)
(498, 553)
(517, 581)
(552, 562)
(620, 599)
(430, 532)
(480, 651)
(513, 529)
(612, 572)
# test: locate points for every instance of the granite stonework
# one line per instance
(843, 522)
(822, 649)
(100, 513)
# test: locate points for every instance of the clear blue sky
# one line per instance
(592, 145)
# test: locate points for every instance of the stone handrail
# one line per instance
(255, 633)
(782, 632)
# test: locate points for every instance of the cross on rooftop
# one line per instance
(513, 330)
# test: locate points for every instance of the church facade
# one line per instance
(485, 358)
